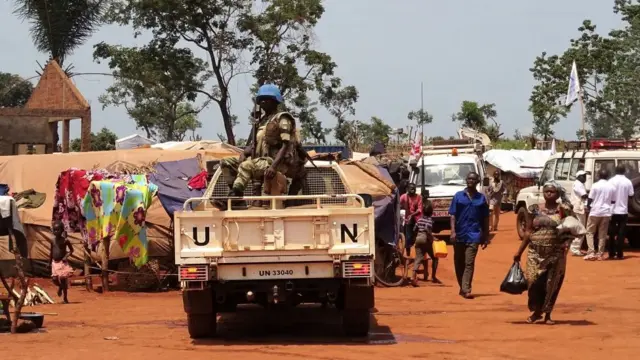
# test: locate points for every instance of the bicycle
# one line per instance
(392, 265)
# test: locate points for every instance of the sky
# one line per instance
(459, 50)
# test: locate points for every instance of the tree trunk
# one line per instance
(227, 119)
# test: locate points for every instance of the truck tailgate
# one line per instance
(289, 232)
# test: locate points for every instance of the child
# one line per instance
(424, 244)
(60, 269)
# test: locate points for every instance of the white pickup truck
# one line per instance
(442, 170)
(318, 250)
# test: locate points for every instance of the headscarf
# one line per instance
(561, 191)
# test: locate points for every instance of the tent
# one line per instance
(523, 163)
(40, 172)
(133, 142)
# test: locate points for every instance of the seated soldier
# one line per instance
(275, 148)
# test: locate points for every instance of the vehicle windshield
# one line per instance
(444, 174)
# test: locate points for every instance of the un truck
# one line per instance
(314, 247)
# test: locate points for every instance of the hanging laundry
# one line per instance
(198, 182)
(116, 209)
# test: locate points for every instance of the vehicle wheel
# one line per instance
(633, 237)
(521, 222)
(201, 325)
(355, 322)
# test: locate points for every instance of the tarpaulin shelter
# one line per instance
(172, 177)
(40, 172)
(133, 142)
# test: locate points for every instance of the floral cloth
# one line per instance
(71, 189)
(116, 209)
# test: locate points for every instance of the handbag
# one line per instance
(515, 283)
(440, 249)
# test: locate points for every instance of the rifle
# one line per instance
(254, 130)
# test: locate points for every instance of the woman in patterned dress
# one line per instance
(546, 258)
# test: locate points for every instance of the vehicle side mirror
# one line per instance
(368, 199)
(485, 181)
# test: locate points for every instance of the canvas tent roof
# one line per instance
(132, 142)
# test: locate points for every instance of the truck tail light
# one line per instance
(356, 269)
(194, 273)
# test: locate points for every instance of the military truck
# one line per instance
(314, 247)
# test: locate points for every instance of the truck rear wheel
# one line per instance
(356, 322)
(201, 325)
(521, 222)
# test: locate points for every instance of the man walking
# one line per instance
(623, 190)
(599, 208)
(579, 200)
(469, 212)
(411, 203)
(496, 191)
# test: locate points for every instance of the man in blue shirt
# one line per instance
(469, 212)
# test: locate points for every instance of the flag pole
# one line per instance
(584, 128)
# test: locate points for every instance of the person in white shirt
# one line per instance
(623, 190)
(601, 197)
(578, 200)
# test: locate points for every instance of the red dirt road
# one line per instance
(597, 315)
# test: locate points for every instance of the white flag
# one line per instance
(553, 146)
(574, 86)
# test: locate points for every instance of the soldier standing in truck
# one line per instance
(275, 148)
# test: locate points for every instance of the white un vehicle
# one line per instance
(442, 171)
(588, 156)
(317, 247)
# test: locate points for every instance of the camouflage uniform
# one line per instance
(279, 128)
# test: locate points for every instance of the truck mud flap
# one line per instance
(358, 297)
(198, 301)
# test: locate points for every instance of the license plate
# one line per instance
(275, 271)
(440, 214)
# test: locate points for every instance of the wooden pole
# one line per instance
(105, 265)
(87, 268)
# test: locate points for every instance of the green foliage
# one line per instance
(102, 141)
(58, 27)
(376, 131)
(512, 144)
(607, 69)
(421, 117)
(473, 115)
(156, 85)
(341, 104)
(275, 35)
(14, 90)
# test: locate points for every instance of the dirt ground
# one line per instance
(597, 315)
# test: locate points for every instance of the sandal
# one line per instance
(548, 321)
(533, 318)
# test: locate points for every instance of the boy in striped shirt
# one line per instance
(424, 245)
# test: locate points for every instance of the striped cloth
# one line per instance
(424, 224)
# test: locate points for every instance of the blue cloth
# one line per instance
(172, 177)
(470, 214)
(4, 189)
(387, 214)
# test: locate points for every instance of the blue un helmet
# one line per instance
(270, 90)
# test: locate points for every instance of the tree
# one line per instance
(156, 84)
(473, 115)
(58, 27)
(376, 131)
(102, 141)
(14, 90)
(607, 69)
(283, 54)
(275, 35)
(421, 117)
(341, 104)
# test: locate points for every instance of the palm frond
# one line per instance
(58, 27)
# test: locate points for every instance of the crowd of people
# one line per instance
(475, 214)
